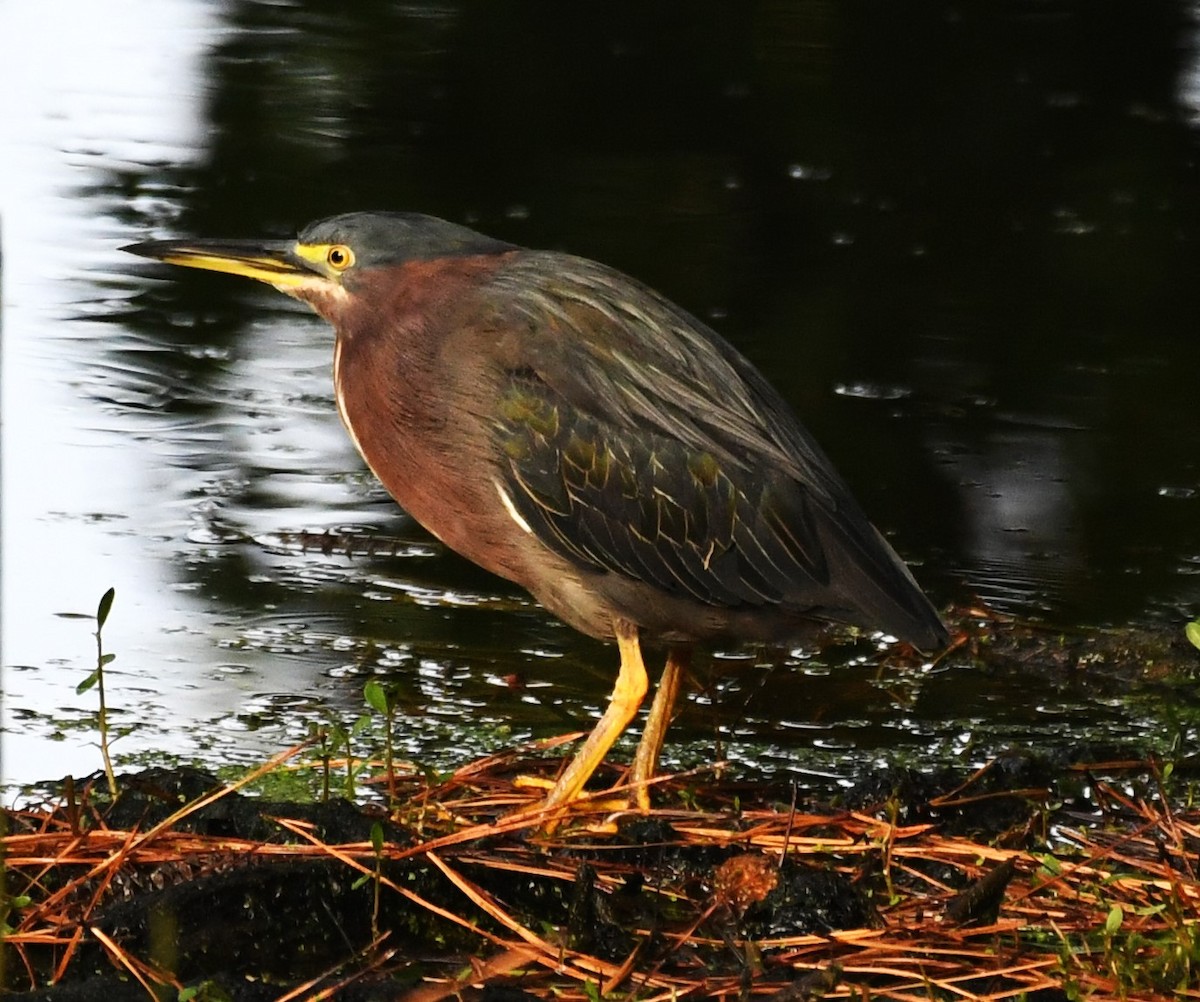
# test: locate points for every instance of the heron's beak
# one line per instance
(273, 262)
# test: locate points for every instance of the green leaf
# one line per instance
(1049, 864)
(107, 659)
(375, 696)
(87, 683)
(102, 610)
(377, 837)
(1193, 632)
(1115, 917)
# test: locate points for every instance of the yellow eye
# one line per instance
(339, 257)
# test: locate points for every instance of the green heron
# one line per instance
(573, 431)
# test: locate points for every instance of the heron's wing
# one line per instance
(638, 442)
(646, 506)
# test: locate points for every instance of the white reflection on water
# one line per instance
(1021, 524)
(83, 92)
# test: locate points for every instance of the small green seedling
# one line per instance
(376, 876)
(383, 701)
(96, 678)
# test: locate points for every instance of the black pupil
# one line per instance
(337, 257)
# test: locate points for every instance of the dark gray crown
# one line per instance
(380, 238)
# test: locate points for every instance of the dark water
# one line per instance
(963, 242)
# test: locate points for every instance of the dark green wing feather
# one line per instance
(638, 504)
(639, 443)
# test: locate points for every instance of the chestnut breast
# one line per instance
(417, 377)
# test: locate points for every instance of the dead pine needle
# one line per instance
(735, 894)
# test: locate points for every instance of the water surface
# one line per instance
(962, 243)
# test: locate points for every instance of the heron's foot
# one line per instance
(620, 800)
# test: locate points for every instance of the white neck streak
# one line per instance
(340, 397)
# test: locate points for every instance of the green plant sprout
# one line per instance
(353, 767)
(319, 734)
(376, 876)
(96, 678)
(329, 736)
(383, 701)
(1192, 632)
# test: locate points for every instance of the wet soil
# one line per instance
(247, 899)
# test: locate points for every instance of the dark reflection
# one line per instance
(980, 221)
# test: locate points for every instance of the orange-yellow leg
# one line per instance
(645, 760)
(623, 705)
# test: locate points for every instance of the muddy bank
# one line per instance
(911, 883)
